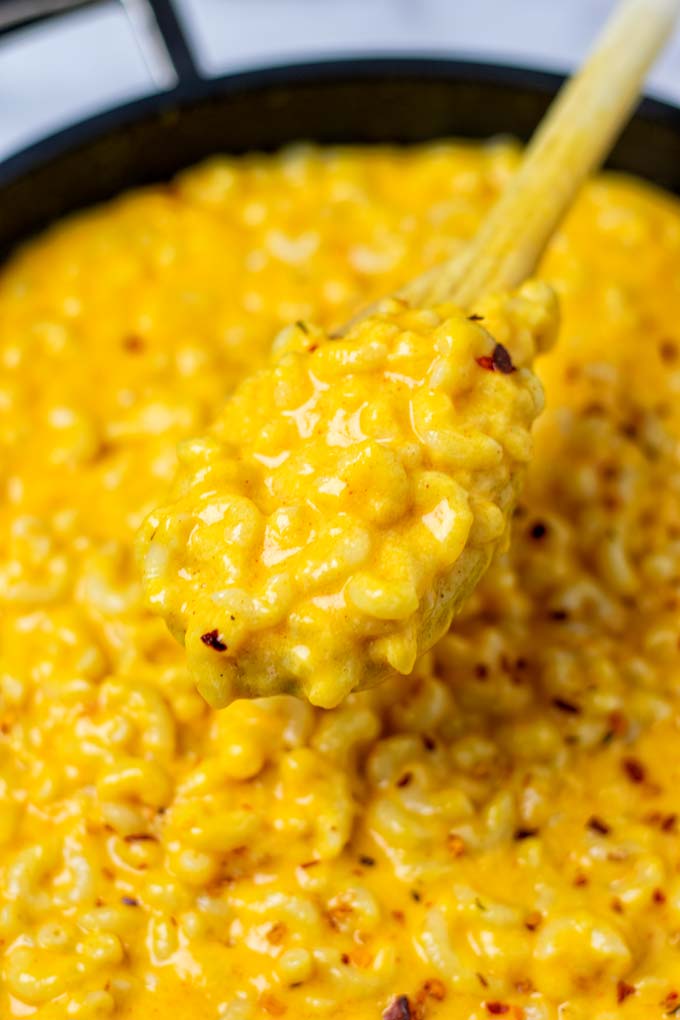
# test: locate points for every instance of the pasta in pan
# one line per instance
(495, 834)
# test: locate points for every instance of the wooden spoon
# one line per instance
(573, 139)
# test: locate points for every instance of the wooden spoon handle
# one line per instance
(572, 140)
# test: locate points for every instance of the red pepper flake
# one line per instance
(533, 920)
(497, 1008)
(129, 901)
(580, 879)
(435, 989)
(634, 769)
(361, 957)
(428, 743)
(345, 959)
(502, 360)
(140, 837)
(270, 1004)
(212, 640)
(133, 344)
(525, 986)
(521, 834)
(671, 1004)
(455, 844)
(368, 862)
(597, 825)
(623, 990)
(405, 779)
(339, 914)
(566, 706)
(276, 933)
(498, 361)
(659, 896)
(617, 905)
(669, 823)
(618, 723)
(398, 1009)
(668, 351)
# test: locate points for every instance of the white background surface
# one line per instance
(86, 61)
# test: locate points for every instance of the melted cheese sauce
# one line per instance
(497, 834)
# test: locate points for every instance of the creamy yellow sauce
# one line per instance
(497, 834)
(348, 498)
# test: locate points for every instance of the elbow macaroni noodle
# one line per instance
(496, 834)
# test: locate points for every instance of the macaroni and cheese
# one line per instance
(495, 835)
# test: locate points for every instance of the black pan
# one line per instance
(356, 100)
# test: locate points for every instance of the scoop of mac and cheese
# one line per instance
(348, 497)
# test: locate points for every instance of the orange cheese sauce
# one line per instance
(497, 834)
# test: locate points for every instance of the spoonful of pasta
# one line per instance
(351, 494)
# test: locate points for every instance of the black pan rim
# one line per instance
(399, 67)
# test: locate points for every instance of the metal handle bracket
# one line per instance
(156, 26)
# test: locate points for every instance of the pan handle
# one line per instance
(163, 42)
(156, 25)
